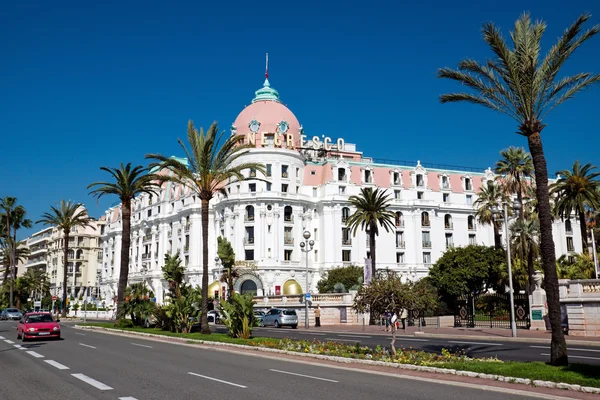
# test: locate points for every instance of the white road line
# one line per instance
(571, 356)
(56, 364)
(481, 343)
(571, 348)
(218, 380)
(87, 345)
(81, 334)
(411, 340)
(34, 354)
(127, 398)
(359, 336)
(18, 346)
(92, 382)
(304, 376)
(2, 338)
(141, 345)
(312, 333)
(9, 341)
(342, 340)
(541, 347)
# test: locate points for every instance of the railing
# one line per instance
(284, 174)
(288, 241)
(426, 244)
(399, 224)
(400, 244)
(187, 227)
(448, 225)
(145, 256)
(346, 242)
(147, 238)
(178, 231)
(426, 223)
(186, 248)
(249, 218)
(472, 227)
(445, 185)
(169, 232)
(249, 240)
(288, 218)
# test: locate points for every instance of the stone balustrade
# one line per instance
(580, 306)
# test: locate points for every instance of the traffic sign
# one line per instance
(53, 298)
(308, 296)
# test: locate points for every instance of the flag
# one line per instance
(367, 272)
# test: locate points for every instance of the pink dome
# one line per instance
(272, 117)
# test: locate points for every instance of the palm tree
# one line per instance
(7, 205)
(525, 234)
(65, 217)
(575, 190)
(173, 273)
(211, 166)
(37, 282)
(490, 196)
(515, 167)
(371, 212)
(129, 182)
(19, 221)
(521, 85)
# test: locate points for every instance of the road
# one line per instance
(92, 365)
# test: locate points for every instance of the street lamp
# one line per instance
(306, 246)
(218, 262)
(496, 211)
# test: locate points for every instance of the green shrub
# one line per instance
(183, 311)
(124, 323)
(237, 314)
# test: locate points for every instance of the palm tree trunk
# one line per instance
(9, 267)
(530, 270)
(558, 346)
(204, 328)
(583, 228)
(125, 243)
(65, 272)
(373, 249)
(497, 236)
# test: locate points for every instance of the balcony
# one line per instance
(449, 225)
(346, 242)
(449, 245)
(156, 254)
(145, 256)
(399, 224)
(288, 218)
(400, 244)
(249, 218)
(445, 186)
(169, 232)
(249, 240)
(426, 223)
(147, 238)
(288, 241)
(178, 231)
(187, 227)
(426, 244)
(472, 227)
(186, 248)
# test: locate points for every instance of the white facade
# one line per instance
(306, 189)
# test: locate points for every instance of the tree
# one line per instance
(467, 270)
(129, 182)
(210, 167)
(371, 212)
(581, 267)
(227, 257)
(575, 191)
(521, 85)
(340, 280)
(490, 196)
(65, 217)
(524, 240)
(515, 167)
(173, 273)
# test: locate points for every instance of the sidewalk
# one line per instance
(523, 335)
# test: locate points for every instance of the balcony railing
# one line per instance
(186, 248)
(399, 224)
(400, 244)
(288, 218)
(178, 231)
(472, 227)
(346, 242)
(249, 218)
(426, 244)
(187, 227)
(449, 245)
(445, 185)
(288, 241)
(448, 225)
(426, 223)
(145, 256)
(147, 238)
(249, 240)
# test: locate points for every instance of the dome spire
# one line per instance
(266, 93)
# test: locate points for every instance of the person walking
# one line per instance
(318, 316)
(388, 318)
(403, 316)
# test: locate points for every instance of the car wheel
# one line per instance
(262, 324)
(18, 336)
(277, 324)
(295, 326)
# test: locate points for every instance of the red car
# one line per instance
(37, 325)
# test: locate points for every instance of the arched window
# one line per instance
(425, 219)
(287, 214)
(568, 226)
(248, 286)
(399, 218)
(471, 222)
(249, 213)
(345, 214)
(71, 254)
(79, 254)
(448, 221)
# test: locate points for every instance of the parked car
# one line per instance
(11, 313)
(258, 315)
(279, 317)
(214, 316)
(38, 325)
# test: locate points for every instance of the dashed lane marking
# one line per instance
(476, 343)
(342, 340)
(56, 364)
(218, 380)
(92, 382)
(141, 345)
(18, 346)
(34, 354)
(86, 345)
(9, 341)
(358, 336)
(304, 376)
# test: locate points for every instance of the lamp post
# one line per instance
(516, 206)
(98, 277)
(595, 253)
(306, 246)
(218, 262)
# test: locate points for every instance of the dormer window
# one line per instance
(468, 184)
(420, 180)
(445, 182)
(342, 174)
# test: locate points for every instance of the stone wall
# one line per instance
(580, 301)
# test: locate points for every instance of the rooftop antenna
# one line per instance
(267, 67)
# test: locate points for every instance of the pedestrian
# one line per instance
(318, 316)
(388, 317)
(403, 316)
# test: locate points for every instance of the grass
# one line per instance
(577, 374)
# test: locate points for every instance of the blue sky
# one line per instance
(84, 86)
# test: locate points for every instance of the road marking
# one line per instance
(218, 380)
(2, 338)
(81, 334)
(342, 340)
(481, 343)
(595, 351)
(304, 376)
(412, 340)
(18, 346)
(541, 347)
(9, 341)
(141, 345)
(127, 398)
(56, 364)
(571, 356)
(92, 382)
(87, 345)
(359, 336)
(34, 354)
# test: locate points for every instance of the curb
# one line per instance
(344, 360)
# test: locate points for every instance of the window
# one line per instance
(249, 213)
(426, 239)
(449, 240)
(446, 197)
(469, 199)
(268, 186)
(400, 258)
(284, 171)
(420, 180)
(297, 172)
(468, 184)
(346, 255)
(445, 182)
(268, 168)
(448, 221)
(287, 255)
(252, 187)
(158, 210)
(297, 189)
(341, 174)
(399, 240)
(315, 234)
(345, 214)
(397, 194)
(399, 218)
(420, 195)
(471, 222)
(288, 236)
(425, 219)
(472, 239)
(313, 172)
(316, 255)
(396, 178)
(249, 238)
(284, 188)
(287, 214)
(342, 189)
(568, 226)
(570, 244)
(368, 176)
(315, 192)
(427, 258)
(150, 212)
(252, 172)
(346, 238)
(187, 260)
(249, 255)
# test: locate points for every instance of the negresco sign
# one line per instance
(281, 139)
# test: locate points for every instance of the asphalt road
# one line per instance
(503, 350)
(91, 365)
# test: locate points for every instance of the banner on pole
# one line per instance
(367, 272)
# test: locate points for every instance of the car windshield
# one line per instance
(12, 310)
(32, 319)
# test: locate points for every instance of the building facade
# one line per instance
(308, 182)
